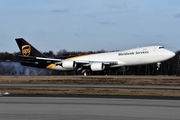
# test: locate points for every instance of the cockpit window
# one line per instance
(161, 47)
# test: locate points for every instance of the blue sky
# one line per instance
(90, 25)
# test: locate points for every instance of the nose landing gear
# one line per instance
(158, 65)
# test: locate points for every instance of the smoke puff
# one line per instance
(15, 68)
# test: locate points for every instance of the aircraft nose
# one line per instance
(169, 54)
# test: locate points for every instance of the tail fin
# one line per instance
(27, 49)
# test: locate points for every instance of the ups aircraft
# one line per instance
(93, 62)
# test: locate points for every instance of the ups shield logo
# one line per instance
(26, 50)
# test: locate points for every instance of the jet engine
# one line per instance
(69, 64)
(97, 66)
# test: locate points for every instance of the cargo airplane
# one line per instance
(93, 62)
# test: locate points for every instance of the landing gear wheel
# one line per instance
(158, 65)
(85, 73)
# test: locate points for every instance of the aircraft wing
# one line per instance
(104, 62)
(80, 64)
(54, 60)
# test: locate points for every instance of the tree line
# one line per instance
(10, 65)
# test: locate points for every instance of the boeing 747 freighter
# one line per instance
(93, 62)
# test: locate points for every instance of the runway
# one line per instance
(92, 86)
(73, 108)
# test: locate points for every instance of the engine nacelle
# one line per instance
(69, 64)
(97, 66)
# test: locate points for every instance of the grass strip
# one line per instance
(91, 91)
(94, 80)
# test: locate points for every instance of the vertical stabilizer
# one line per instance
(27, 49)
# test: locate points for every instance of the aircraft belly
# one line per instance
(155, 58)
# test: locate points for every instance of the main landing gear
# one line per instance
(85, 73)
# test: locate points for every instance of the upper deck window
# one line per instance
(161, 47)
